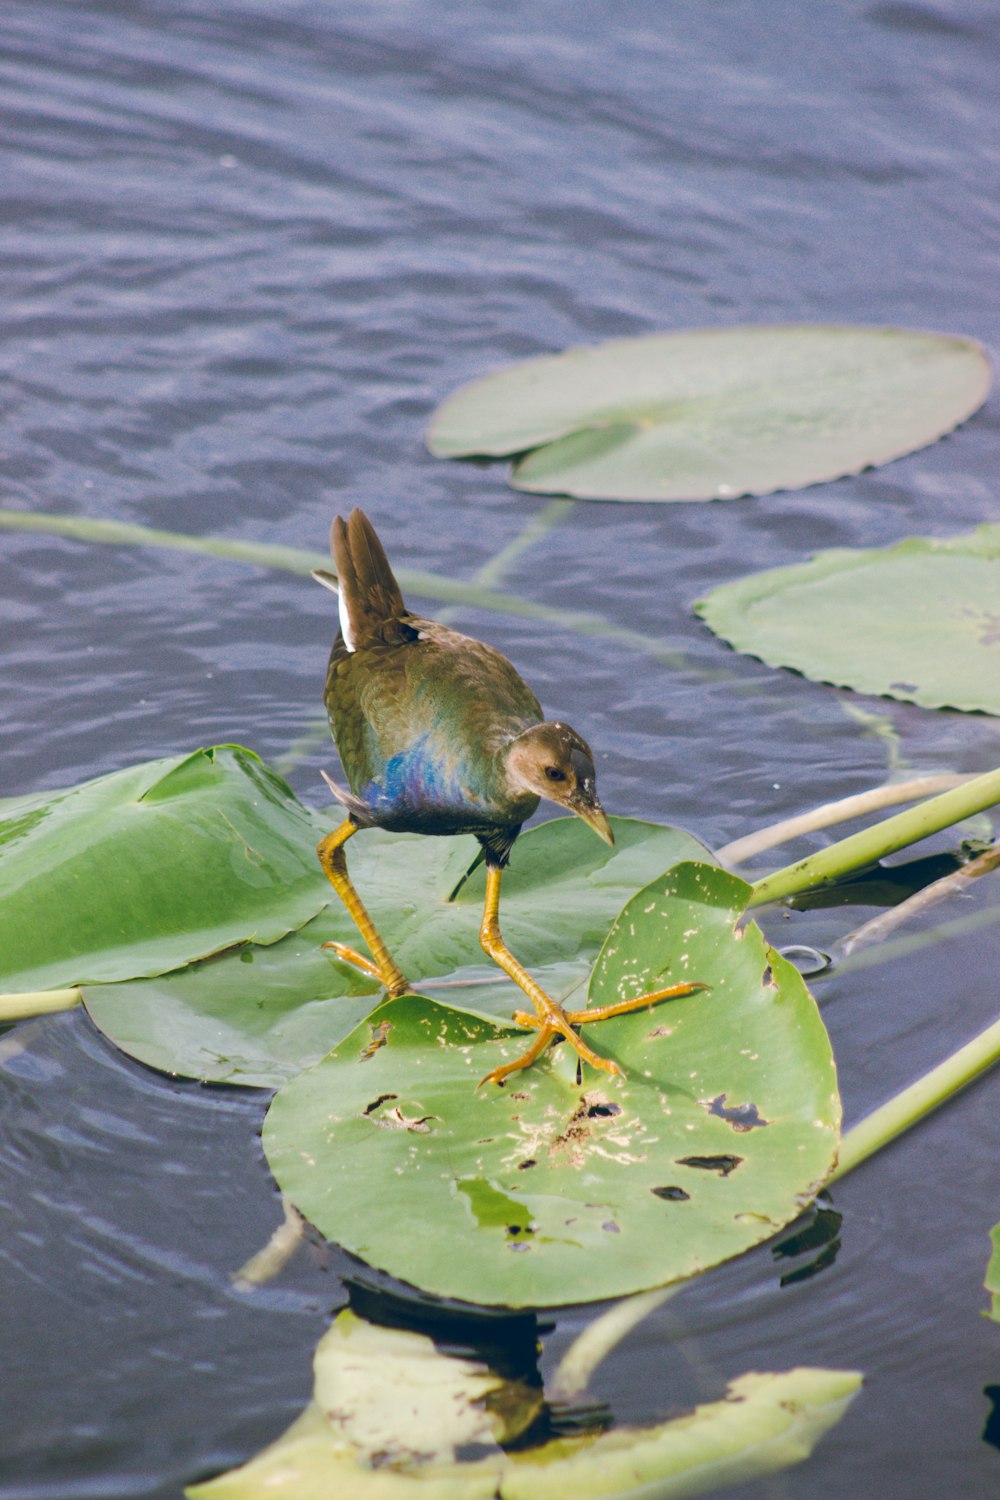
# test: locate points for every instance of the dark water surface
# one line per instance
(246, 248)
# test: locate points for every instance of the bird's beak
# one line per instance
(586, 806)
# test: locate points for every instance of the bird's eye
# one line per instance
(554, 773)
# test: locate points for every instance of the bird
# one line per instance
(438, 734)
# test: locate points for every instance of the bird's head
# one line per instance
(551, 760)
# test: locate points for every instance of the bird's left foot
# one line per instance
(551, 1021)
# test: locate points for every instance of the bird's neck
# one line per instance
(508, 784)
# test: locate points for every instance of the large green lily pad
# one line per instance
(259, 1015)
(918, 621)
(148, 868)
(713, 413)
(391, 1414)
(549, 1191)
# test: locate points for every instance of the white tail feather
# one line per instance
(329, 581)
(346, 628)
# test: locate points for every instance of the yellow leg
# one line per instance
(550, 1019)
(334, 862)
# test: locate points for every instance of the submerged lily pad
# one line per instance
(713, 413)
(148, 868)
(391, 1412)
(918, 621)
(258, 1015)
(547, 1190)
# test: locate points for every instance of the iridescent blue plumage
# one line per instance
(419, 785)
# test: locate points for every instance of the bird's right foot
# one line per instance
(394, 979)
(552, 1023)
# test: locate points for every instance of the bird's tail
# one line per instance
(369, 593)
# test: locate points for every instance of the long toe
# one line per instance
(640, 1002)
(394, 980)
(538, 1046)
(357, 960)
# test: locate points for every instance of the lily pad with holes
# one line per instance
(393, 1415)
(258, 1015)
(143, 870)
(714, 413)
(993, 1275)
(918, 621)
(552, 1190)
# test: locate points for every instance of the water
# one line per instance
(247, 247)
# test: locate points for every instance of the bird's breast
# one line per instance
(420, 779)
(426, 790)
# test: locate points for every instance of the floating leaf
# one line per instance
(260, 1015)
(714, 413)
(993, 1275)
(390, 1411)
(146, 869)
(549, 1191)
(918, 621)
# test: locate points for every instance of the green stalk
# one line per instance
(492, 573)
(40, 1003)
(841, 811)
(604, 1333)
(872, 844)
(892, 1119)
(434, 586)
(539, 525)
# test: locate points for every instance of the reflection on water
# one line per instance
(391, 1408)
(247, 248)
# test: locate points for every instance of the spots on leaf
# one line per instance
(377, 1103)
(741, 1117)
(671, 1194)
(721, 1164)
(585, 1127)
(379, 1037)
(395, 1119)
(493, 1209)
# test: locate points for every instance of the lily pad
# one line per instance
(549, 1191)
(714, 413)
(391, 1412)
(259, 1015)
(919, 621)
(144, 870)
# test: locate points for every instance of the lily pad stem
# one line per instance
(841, 811)
(432, 586)
(866, 848)
(957, 884)
(37, 1003)
(895, 1117)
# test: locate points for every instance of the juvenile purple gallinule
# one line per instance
(438, 734)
